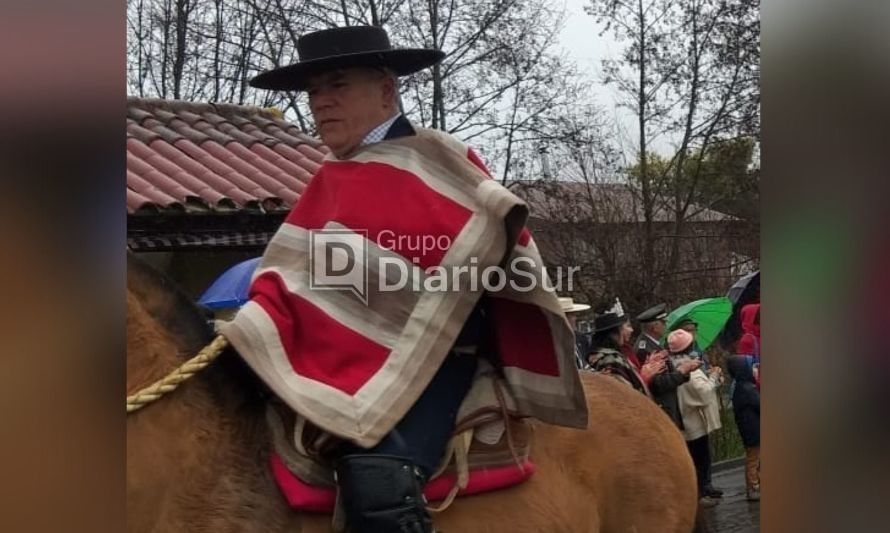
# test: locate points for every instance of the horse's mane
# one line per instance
(169, 304)
(190, 328)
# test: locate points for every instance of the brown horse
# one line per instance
(197, 458)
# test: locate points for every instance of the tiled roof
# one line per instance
(202, 157)
(604, 202)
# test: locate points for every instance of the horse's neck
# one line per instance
(196, 457)
(205, 463)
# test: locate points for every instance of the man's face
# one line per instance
(347, 104)
(573, 320)
(656, 328)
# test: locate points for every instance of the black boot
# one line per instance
(713, 492)
(382, 494)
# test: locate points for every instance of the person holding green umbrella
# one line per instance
(704, 319)
(690, 326)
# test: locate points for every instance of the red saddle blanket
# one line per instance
(316, 499)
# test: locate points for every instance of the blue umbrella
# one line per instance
(230, 289)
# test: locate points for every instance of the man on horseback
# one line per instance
(389, 379)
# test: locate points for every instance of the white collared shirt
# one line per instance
(654, 340)
(377, 134)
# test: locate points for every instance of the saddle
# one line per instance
(489, 450)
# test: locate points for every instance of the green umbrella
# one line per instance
(710, 314)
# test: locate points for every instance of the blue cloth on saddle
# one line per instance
(231, 287)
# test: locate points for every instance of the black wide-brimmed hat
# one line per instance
(610, 318)
(351, 46)
(608, 322)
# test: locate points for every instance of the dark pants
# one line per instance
(700, 450)
(423, 433)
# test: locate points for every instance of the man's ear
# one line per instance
(389, 90)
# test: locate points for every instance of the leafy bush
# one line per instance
(726, 443)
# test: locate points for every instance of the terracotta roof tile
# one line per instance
(167, 175)
(241, 187)
(136, 131)
(291, 170)
(183, 127)
(260, 184)
(310, 152)
(189, 156)
(297, 158)
(148, 192)
(136, 202)
(136, 114)
(162, 181)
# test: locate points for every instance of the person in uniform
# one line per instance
(652, 324)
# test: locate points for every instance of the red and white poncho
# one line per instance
(355, 367)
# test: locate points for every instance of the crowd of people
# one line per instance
(671, 369)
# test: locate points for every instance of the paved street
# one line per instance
(734, 514)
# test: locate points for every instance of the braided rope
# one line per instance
(172, 380)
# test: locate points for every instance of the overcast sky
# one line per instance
(581, 39)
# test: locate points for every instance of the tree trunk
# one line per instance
(182, 14)
(438, 94)
(679, 208)
(166, 22)
(142, 67)
(345, 12)
(648, 266)
(375, 17)
(217, 71)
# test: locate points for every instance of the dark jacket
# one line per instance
(745, 399)
(644, 347)
(664, 391)
(401, 127)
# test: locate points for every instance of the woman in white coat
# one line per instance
(700, 410)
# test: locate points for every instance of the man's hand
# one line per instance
(652, 368)
(688, 366)
(660, 355)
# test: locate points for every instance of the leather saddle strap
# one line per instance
(461, 452)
